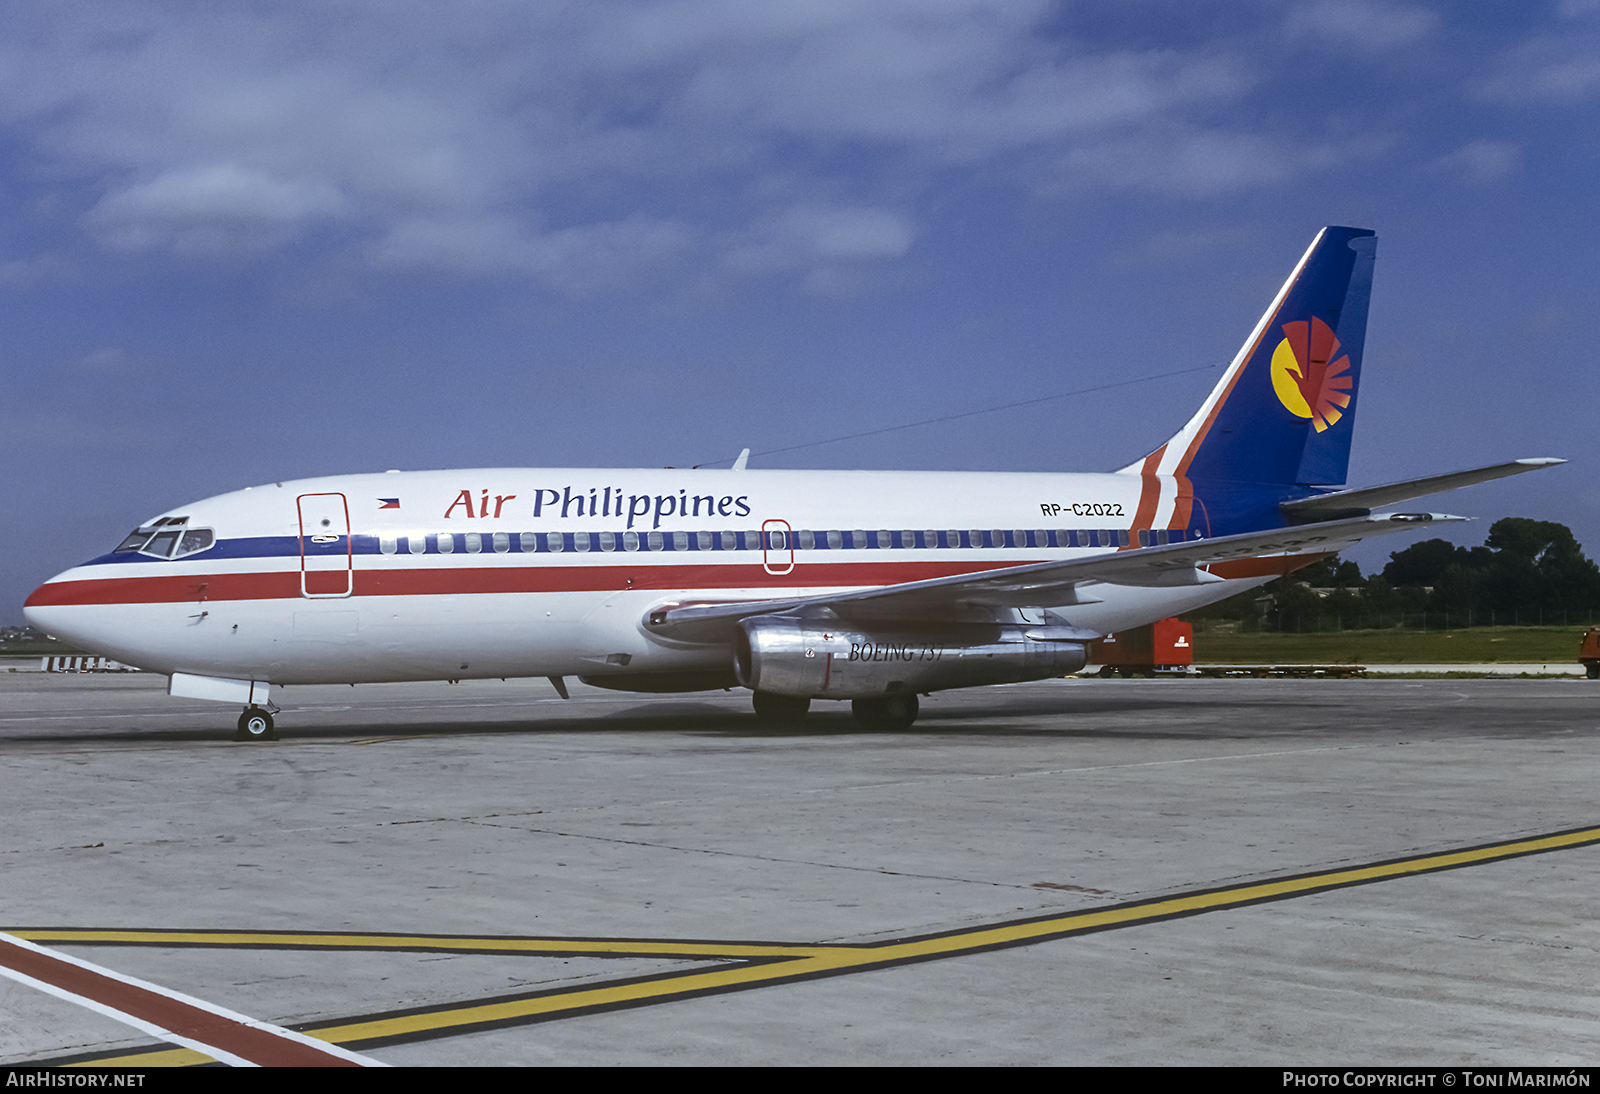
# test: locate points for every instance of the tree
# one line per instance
(1525, 566)
(1423, 563)
(1538, 541)
(1331, 573)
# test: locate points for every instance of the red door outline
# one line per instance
(779, 560)
(325, 519)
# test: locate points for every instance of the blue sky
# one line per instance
(243, 243)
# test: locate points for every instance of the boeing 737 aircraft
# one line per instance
(799, 585)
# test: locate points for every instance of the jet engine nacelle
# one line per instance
(820, 659)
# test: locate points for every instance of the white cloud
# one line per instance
(452, 137)
(1480, 162)
(213, 207)
(1366, 25)
(1563, 70)
(807, 236)
(578, 259)
(834, 246)
(1181, 160)
(109, 358)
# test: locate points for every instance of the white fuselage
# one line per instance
(517, 572)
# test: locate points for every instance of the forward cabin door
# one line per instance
(326, 556)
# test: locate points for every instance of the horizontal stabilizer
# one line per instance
(1356, 503)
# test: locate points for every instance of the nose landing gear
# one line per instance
(255, 724)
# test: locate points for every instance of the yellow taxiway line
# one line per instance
(739, 965)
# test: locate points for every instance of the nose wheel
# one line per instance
(255, 724)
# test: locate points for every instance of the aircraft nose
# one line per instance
(41, 597)
(58, 608)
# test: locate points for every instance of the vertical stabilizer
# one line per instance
(1283, 412)
(1281, 416)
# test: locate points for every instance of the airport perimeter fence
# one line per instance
(1325, 622)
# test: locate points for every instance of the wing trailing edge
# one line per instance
(1355, 503)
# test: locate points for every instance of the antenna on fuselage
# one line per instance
(744, 457)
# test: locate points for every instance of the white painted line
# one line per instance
(253, 1042)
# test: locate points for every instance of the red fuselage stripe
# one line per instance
(285, 585)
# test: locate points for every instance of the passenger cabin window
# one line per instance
(775, 539)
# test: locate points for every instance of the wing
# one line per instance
(1044, 584)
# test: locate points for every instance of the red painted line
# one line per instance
(468, 580)
(190, 588)
(461, 580)
(1149, 492)
(249, 1042)
(1182, 503)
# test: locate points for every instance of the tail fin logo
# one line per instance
(1305, 382)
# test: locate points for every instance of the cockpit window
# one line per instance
(195, 539)
(162, 543)
(167, 538)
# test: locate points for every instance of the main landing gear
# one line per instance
(780, 709)
(886, 714)
(882, 714)
(255, 724)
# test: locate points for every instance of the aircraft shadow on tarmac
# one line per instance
(1122, 717)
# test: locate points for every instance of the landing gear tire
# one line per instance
(889, 713)
(780, 709)
(255, 724)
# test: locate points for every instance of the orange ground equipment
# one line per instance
(1160, 648)
(1589, 653)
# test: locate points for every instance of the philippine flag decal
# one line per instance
(388, 503)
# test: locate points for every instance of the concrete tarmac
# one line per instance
(496, 812)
